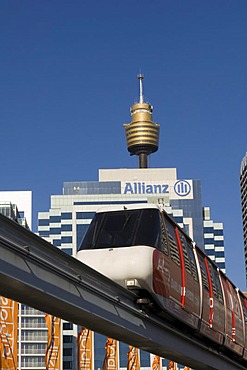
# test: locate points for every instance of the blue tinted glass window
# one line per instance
(123, 349)
(66, 239)
(92, 187)
(67, 339)
(67, 364)
(145, 359)
(209, 241)
(208, 230)
(55, 218)
(99, 350)
(84, 215)
(56, 242)
(186, 229)
(80, 233)
(66, 228)
(67, 251)
(67, 351)
(55, 230)
(111, 202)
(44, 233)
(178, 219)
(218, 232)
(220, 254)
(66, 216)
(67, 326)
(219, 243)
(43, 222)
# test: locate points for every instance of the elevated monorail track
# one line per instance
(34, 272)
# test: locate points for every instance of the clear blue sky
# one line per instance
(68, 77)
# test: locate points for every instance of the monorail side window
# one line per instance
(203, 270)
(185, 253)
(244, 305)
(174, 252)
(232, 297)
(163, 235)
(215, 283)
(192, 261)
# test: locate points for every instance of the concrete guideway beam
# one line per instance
(34, 272)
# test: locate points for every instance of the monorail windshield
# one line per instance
(123, 229)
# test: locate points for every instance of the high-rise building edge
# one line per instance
(243, 191)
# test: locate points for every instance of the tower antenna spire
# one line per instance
(142, 134)
(140, 78)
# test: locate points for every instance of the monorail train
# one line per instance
(141, 248)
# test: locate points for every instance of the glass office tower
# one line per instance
(243, 189)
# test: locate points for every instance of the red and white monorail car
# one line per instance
(140, 247)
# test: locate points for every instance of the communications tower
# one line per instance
(142, 134)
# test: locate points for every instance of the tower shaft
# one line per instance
(143, 160)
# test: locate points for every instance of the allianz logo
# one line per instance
(143, 188)
(181, 188)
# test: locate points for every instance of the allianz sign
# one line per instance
(181, 188)
(143, 188)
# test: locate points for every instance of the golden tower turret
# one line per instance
(142, 134)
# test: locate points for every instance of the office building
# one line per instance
(243, 190)
(70, 214)
(32, 330)
(214, 239)
(21, 204)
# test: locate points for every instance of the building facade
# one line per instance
(70, 214)
(32, 329)
(243, 190)
(214, 239)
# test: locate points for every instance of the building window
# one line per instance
(67, 364)
(33, 335)
(66, 216)
(108, 202)
(84, 215)
(33, 322)
(66, 239)
(66, 227)
(55, 219)
(67, 251)
(56, 242)
(208, 241)
(31, 348)
(32, 362)
(67, 352)
(67, 326)
(80, 233)
(43, 222)
(44, 233)
(208, 230)
(67, 339)
(218, 232)
(55, 230)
